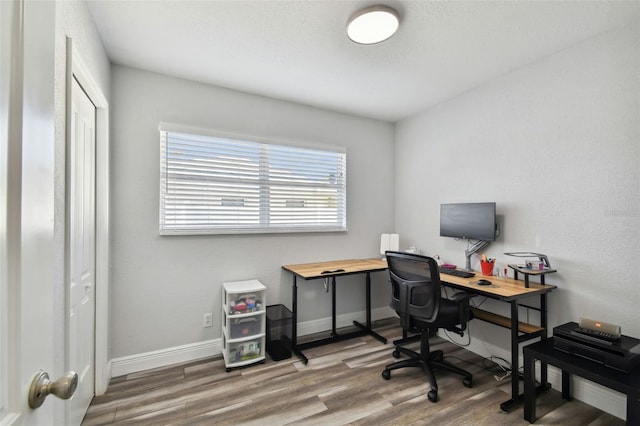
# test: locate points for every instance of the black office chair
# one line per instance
(416, 297)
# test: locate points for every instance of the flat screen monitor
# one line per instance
(472, 221)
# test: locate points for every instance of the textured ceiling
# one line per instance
(297, 50)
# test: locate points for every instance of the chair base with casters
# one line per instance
(427, 363)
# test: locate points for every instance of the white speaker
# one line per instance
(389, 242)
(394, 242)
(384, 243)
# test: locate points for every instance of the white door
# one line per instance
(6, 13)
(81, 252)
(27, 242)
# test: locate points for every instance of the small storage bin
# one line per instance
(243, 323)
(279, 332)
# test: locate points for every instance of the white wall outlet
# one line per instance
(207, 320)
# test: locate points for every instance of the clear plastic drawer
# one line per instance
(243, 351)
(244, 326)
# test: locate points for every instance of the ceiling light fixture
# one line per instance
(373, 24)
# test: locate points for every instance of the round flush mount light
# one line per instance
(373, 24)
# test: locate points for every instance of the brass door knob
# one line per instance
(41, 386)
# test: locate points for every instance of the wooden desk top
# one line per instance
(314, 270)
(500, 288)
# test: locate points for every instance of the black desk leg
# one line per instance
(294, 326)
(368, 296)
(515, 392)
(335, 336)
(516, 397)
(529, 388)
(367, 327)
(515, 356)
(543, 324)
(333, 306)
(294, 303)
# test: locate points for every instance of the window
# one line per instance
(212, 184)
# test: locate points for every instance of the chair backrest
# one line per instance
(415, 283)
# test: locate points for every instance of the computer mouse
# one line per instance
(484, 282)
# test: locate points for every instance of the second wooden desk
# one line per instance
(331, 270)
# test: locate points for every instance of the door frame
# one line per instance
(75, 67)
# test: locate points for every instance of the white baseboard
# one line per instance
(605, 399)
(194, 351)
(164, 357)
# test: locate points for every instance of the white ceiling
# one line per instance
(297, 50)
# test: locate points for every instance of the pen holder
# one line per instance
(487, 268)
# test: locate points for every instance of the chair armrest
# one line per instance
(461, 296)
(464, 311)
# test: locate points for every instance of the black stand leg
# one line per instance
(566, 386)
(529, 388)
(633, 410)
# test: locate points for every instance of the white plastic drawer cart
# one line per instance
(243, 323)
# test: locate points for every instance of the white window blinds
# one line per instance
(212, 185)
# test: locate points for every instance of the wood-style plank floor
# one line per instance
(341, 385)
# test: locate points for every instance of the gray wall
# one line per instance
(162, 285)
(556, 145)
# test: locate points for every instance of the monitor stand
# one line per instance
(473, 249)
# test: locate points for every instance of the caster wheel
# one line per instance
(467, 382)
(433, 396)
(228, 370)
(386, 374)
(396, 353)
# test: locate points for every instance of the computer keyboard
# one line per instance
(456, 272)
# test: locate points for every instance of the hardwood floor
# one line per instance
(342, 384)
